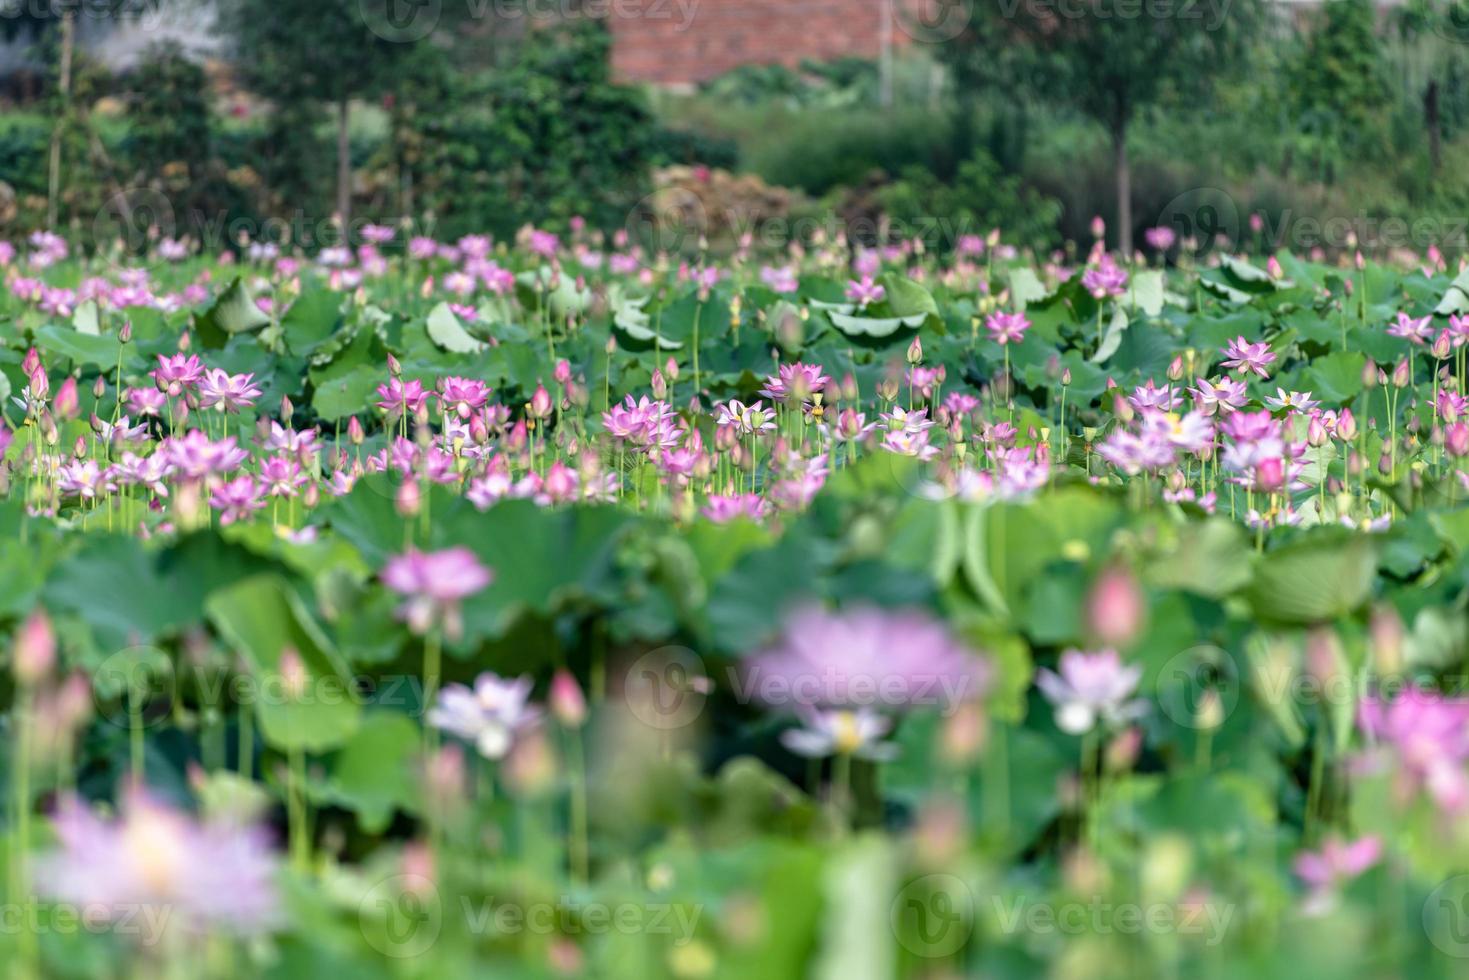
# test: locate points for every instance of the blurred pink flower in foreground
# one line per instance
(200, 875)
(1091, 687)
(865, 657)
(433, 584)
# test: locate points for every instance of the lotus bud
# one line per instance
(294, 677)
(125, 335)
(1115, 608)
(1401, 375)
(1316, 433)
(287, 410)
(670, 369)
(1385, 634)
(1270, 474)
(35, 649)
(563, 372)
(185, 342)
(659, 385)
(1369, 374)
(407, 499)
(540, 402)
(67, 404)
(915, 351)
(354, 431)
(568, 705)
(1346, 425)
(1442, 345)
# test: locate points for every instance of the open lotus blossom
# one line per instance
(1246, 358)
(1091, 689)
(1006, 328)
(162, 869)
(434, 584)
(1427, 734)
(865, 657)
(841, 732)
(489, 716)
(1336, 863)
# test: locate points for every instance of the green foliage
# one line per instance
(979, 199)
(1338, 80)
(169, 110)
(547, 138)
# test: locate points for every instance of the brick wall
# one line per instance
(671, 42)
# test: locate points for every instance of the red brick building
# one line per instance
(678, 42)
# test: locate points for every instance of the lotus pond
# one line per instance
(549, 608)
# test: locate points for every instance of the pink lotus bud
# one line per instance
(31, 363)
(670, 369)
(125, 335)
(1115, 608)
(1270, 475)
(568, 705)
(1273, 267)
(659, 385)
(407, 499)
(1456, 440)
(185, 342)
(1346, 425)
(915, 351)
(354, 431)
(287, 410)
(294, 677)
(1369, 374)
(540, 402)
(67, 404)
(40, 385)
(1442, 345)
(1099, 227)
(1385, 635)
(1401, 375)
(563, 372)
(1316, 433)
(1175, 368)
(35, 649)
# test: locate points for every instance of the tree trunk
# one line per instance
(1430, 119)
(1124, 190)
(344, 165)
(53, 178)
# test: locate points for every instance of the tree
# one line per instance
(304, 56)
(1338, 82)
(1109, 60)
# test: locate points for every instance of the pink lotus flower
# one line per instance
(490, 716)
(864, 657)
(1245, 357)
(1092, 688)
(1006, 328)
(161, 866)
(434, 583)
